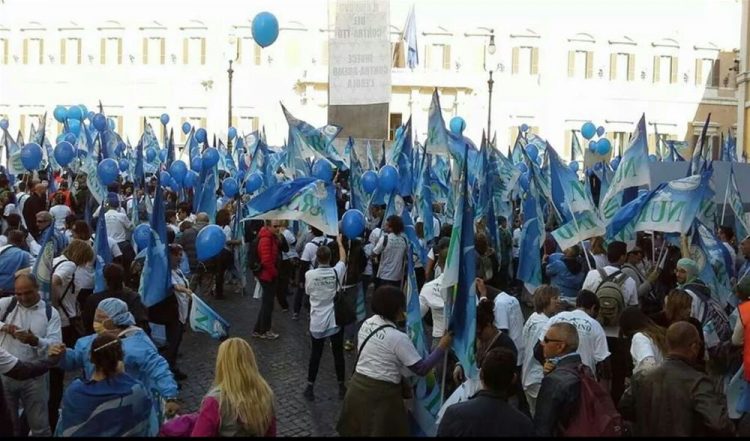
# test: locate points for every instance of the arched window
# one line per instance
(525, 53)
(194, 43)
(581, 56)
(707, 65)
(622, 59)
(665, 61)
(71, 44)
(110, 47)
(33, 43)
(153, 43)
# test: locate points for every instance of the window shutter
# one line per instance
(41, 51)
(631, 67)
(23, 119)
(698, 71)
(203, 50)
(716, 73)
(567, 146)
(103, 51)
(589, 64)
(514, 62)
(674, 70)
(203, 122)
(534, 60)
(163, 44)
(571, 64)
(613, 66)
(258, 54)
(5, 51)
(428, 56)
(145, 50)
(119, 51)
(25, 55)
(185, 50)
(657, 66)
(62, 51)
(447, 57)
(79, 51)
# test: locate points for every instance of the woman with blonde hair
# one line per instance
(240, 403)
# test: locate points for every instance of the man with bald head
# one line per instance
(676, 399)
(33, 205)
(44, 220)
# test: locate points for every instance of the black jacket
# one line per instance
(485, 414)
(187, 241)
(558, 397)
(133, 300)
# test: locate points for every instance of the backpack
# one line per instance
(714, 319)
(14, 302)
(611, 299)
(596, 414)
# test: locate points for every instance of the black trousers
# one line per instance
(420, 275)
(173, 330)
(263, 324)
(282, 288)
(380, 282)
(127, 258)
(224, 262)
(337, 345)
(57, 378)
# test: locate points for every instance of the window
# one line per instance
(249, 52)
(245, 124)
(398, 59)
(154, 50)
(4, 50)
(27, 121)
(194, 50)
(665, 69)
(525, 60)
(292, 50)
(117, 119)
(438, 56)
(569, 144)
(622, 66)
(110, 50)
(580, 64)
(33, 51)
(70, 51)
(712, 145)
(619, 141)
(707, 72)
(395, 122)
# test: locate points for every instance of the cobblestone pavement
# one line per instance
(282, 362)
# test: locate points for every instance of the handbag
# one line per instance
(344, 309)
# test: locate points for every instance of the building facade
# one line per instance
(556, 65)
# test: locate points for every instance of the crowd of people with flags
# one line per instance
(483, 294)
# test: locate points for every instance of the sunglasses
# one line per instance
(552, 340)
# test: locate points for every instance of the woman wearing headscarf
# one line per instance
(110, 402)
(687, 280)
(141, 358)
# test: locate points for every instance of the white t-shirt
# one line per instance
(532, 372)
(431, 298)
(516, 242)
(60, 212)
(7, 361)
(629, 289)
(183, 299)
(308, 253)
(227, 236)
(69, 305)
(291, 241)
(320, 285)
(388, 354)
(592, 342)
(641, 348)
(508, 316)
(114, 248)
(119, 225)
(391, 257)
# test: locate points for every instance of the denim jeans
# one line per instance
(32, 395)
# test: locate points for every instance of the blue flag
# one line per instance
(205, 319)
(576, 153)
(714, 263)
(103, 253)
(698, 160)
(423, 196)
(42, 270)
(357, 200)
(207, 197)
(156, 279)
(437, 135)
(401, 157)
(314, 142)
(410, 37)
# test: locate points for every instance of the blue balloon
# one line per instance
(99, 122)
(232, 133)
(254, 182)
(60, 114)
(592, 146)
(600, 131)
(196, 164)
(457, 125)
(91, 116)
(4, 124)
(200, 135)
(588, 130)
(573, 166)
(178, 170)
(71, 138)
(209, 242)
(322, 169)
(190, 179)
(353, 223)
(388, 178)
(369, 181)
(524, 127)
(652, 158)
(210, 157)
(60, 138)
(523, 181)
(64, 153)
(230, 187)
(124, 165)
(603, 146)
(163, 155)
(164, 118)
(75, 112)
(150, 154)
(107, 170)
(164, 177)
(265, 29)
(241, 176)
(84, 111)
(615, 162)
(142, 236)
(186, 127)
(31, 156)
(523, 168)
(532, 151)
(74, 127)
(173, 185)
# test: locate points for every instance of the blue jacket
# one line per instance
(561, 277)
(142, 362)
(12, 259)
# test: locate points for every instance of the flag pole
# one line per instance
(726, 197)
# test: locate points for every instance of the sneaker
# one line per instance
(257, 334)
(270, 335)
(308, 393)
(295, 316)
(342, 391)
(348, 345)
(285, 310)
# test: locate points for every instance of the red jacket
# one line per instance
(268, 251)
